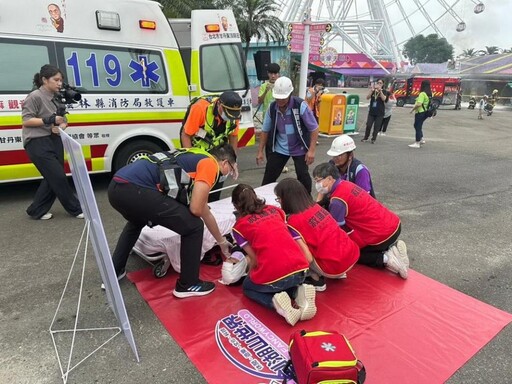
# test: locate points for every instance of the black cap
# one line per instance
(273, 68)
(231, 103)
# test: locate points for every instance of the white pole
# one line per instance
(304, 61)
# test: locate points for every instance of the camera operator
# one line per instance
(378, 97)
(313, 95)
(43, 144)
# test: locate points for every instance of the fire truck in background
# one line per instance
(136, 70)
(444, 90)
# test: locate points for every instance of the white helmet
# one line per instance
(283, 87)
(341, 144)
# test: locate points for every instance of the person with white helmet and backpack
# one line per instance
(289, 130)
(351, 169)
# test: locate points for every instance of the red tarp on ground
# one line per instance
(404, 331)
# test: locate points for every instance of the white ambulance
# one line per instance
(137, 72)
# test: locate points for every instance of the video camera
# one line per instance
(67, 95)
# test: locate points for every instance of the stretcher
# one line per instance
(161, 247)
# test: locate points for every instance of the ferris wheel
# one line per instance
(380, 28)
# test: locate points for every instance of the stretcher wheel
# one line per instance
(160, 270)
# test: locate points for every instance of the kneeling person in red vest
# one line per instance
(276, 257)
(373, 227)
(333, 253)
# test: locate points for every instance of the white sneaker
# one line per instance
(285, 170)
(383, 133)
(379, 134)
(80, 216)
(396, 265)
(118, 278)
(423, 141)
(306, 301)
(402, 252)
(415, 145)
(46, 216)
(283, 305)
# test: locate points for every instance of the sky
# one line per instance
(491, 27)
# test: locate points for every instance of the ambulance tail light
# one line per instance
(108, 20)
(211, 28)
(147, 24)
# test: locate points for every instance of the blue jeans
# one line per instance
(419, 118)
(263, 293)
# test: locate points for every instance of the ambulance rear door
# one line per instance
(217, 61)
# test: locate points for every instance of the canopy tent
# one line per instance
(328, 71)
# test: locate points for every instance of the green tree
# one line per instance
(255, 19)
(492, 50)
(183, 8)
(429, 49)
(470, 52)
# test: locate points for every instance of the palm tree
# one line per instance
(470, 52)
(255, 19)
(492, 50)
(183, 8)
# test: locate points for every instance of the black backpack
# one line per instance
(431, 110)
(174, 181)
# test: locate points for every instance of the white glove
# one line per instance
(225, 247)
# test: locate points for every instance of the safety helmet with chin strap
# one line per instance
(340, 145)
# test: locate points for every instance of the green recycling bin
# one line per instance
(351, 112)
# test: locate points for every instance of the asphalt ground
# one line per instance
(453, 196)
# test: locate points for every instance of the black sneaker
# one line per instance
(201, 288)
(319, 284)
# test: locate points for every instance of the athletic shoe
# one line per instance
(80, 216)
(382, 133)
(283, 305)
(306, 301)
(319, 284)
(415, 145)
(201, 288)
(46, 216)
(402, 251)
(422, 141)
(379, 134)
(396, 265)
(364, 140)
(123, 274)
(373, 141)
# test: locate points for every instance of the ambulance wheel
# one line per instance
(400, 102)
(158, 270)
(132, 151)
